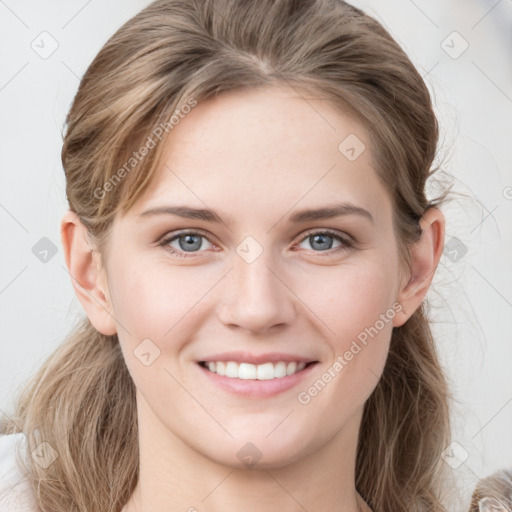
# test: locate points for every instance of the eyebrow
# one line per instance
(327, 212)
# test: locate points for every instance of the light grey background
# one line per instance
(471, 298)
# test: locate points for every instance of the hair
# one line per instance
(170, 55)
(494, 493)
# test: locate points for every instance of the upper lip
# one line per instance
(247, 357)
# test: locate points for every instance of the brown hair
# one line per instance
(174, 53)
(493, 493)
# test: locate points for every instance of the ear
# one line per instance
(425, 256)
(87, 275)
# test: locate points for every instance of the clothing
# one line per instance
(16, 495)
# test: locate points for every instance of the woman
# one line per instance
(251, 242)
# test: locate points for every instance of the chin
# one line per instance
(257, 452)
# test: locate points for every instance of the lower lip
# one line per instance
(257, 388)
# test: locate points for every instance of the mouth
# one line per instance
(249, 371)
(255, 377)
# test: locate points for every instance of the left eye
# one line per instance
(323, 241)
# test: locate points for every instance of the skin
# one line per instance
(255, 157)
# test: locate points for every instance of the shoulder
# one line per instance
(15, 492)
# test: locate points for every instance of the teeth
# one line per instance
(265, 371)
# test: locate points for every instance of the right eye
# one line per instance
(185, 242)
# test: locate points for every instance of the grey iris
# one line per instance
(190, 244)
(322, 241)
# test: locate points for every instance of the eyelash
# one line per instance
(346, 243)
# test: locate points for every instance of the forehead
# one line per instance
(266, 148)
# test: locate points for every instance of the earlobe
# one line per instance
(425, 256)
(87, 278)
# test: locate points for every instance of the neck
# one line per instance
(173, 477)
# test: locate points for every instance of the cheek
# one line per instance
(356, 305)
(158, 303)
(152, 297)
(352, 299)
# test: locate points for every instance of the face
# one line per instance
(296, 307)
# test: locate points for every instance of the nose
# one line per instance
(256, 297)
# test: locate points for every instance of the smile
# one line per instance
(247, 371)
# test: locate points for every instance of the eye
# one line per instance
(185, 242)
(188, 243)
(322, 241)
